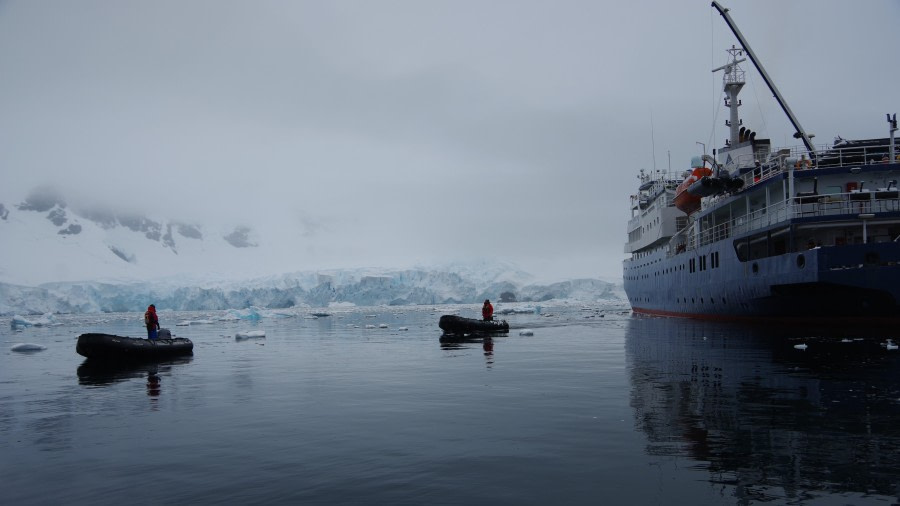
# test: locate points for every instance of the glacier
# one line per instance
(350, 287)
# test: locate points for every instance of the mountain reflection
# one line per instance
(774, 421)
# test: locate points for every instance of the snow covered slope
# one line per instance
(45, 240)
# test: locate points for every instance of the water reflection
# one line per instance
(153, 386)
(102, 373)
(451, 342)
(771, 420)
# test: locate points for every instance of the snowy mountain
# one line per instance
(49, 240)
(80, 259)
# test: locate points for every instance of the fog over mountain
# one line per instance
(82, 257)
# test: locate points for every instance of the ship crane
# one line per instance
(800, 132)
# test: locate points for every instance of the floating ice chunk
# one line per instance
(182, 324)
(26, 347)
(250, 334)
(800, 346)
(526, 332)
(250, 313)
(382, 325)
(19, 321)
(277, 313)
(402, 328)
(320, 314)
(201, 322)
(370, 326)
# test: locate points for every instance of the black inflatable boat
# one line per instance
(452, 324)
(108, 346)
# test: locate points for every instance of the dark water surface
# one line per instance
(588, 410)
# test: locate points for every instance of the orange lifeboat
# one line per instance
(685, 200)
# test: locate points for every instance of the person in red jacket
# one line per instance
(487, 311)
(152, 322)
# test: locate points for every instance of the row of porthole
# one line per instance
(712, 300)
(801, 263)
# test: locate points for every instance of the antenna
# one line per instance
(652, 140)
(892, 122)
(727, 66)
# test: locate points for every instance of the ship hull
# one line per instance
(849, 283)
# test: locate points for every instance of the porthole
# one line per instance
(801, 261)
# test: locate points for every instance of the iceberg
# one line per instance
(251, 334)
(21, 322)
(251, 313)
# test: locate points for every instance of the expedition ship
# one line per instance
(754, 232)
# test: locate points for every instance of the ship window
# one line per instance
(759, 247)
(740, 248)
(778, 242)
(762, 245)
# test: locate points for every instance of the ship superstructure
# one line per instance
(759, 232)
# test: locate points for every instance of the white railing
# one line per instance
(838, 204)
(823, 157)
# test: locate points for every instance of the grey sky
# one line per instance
(365, 133)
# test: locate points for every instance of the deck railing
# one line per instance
(850, 205)
(823, 157)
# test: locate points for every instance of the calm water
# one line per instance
(588, 410)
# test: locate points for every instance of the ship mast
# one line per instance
(732, 82)
(800, 133)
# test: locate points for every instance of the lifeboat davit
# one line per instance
(684, 199)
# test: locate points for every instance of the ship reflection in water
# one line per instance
(773, 419)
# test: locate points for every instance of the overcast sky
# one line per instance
(406, 132)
